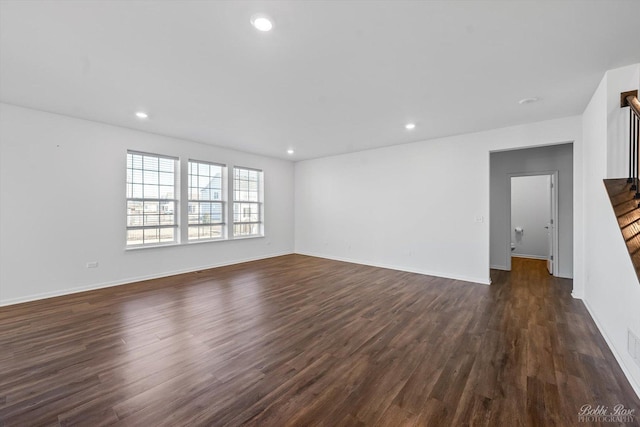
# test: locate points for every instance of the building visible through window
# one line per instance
(247, 202)
(151, 199)
(206, 204)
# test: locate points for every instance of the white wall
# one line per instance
(412, 207)
(620, 80)
(531, 212)
(563, 158)
(63, 204)
(611, 289)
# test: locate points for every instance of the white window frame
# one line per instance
(129, 193)
(221, 201)
(237, 201)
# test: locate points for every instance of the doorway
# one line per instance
(533, 218)
(544, 160)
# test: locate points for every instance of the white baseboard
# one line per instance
(485, 281)
(528, 256)
(69, 291)
(499, 267)
(578, 295)
(634, 384)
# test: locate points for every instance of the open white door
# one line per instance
(551, 224)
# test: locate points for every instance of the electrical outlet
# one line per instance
(92, 264)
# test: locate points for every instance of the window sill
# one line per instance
(137, 248)
(255, 236)
(193, 242)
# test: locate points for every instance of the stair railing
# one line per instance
(630, 99)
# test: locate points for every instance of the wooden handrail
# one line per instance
(634, 104)
(630, 99)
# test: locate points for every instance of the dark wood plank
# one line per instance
(299, 341)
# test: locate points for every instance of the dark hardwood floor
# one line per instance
(301, 341)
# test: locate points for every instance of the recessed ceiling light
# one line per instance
(528, 100)
(142, 115)
(410, 126)
(261, 22)
(290, 151)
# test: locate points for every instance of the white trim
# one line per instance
(474, 280)
(634, 385)
(144, 153)
(544, 258)
(556, 244)
(69, 291)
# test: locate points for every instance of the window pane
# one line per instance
(203, 182)
(203, 169)
(136, 192)
(134, 220)
(134, 237)
(205, 200)
(247, 197)
(194, 212)
(216, 213)
(245, 229)
(151, 220)
(151, 235)
(150, 163)
(167, 234)
(167, 207)
(151, 207)
(134, 207)
(167, 165)
(150, 192)
(216, 231)
(193, 232)
(205, 212)
(216, 181)
(167, 219)
(166, 178)
(136, 161)
(165, 192)
(150, 178)
(205, 232)
(246, 212)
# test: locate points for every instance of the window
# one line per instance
(206, 205)
(154, 208)
(151, 199)
(247, 202)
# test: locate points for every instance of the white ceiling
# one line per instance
(332, 76)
